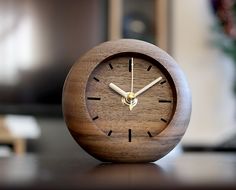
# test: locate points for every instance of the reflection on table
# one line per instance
(187, 170)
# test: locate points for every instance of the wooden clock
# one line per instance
(126, 101)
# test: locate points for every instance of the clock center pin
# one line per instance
(130, 100)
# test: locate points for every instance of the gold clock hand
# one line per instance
(132, 84)
(147, 87)
(131, 98)
(118, 90)
(132, 74)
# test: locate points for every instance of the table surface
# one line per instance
(181, 170)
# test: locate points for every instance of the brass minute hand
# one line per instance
(147, 87)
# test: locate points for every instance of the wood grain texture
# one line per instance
(147, 114)
(88, 133)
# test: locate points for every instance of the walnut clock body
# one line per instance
(126, 101)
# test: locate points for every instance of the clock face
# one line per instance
(142, 106)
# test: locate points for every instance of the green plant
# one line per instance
(225, 12)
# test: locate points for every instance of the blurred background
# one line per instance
(41, 40)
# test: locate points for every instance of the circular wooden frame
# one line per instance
(84, 130)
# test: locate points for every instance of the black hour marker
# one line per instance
(95, 118)
(148, 69)
(163, 120)
(109, 134)
(163, 82)
(129, 135)
(96, 79)
(93, 98)
(149, 134)
(165, 101)
(130, 61)
(110, 65)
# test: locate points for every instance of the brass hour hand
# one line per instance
(118, 90)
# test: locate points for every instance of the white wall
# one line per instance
(209, 73)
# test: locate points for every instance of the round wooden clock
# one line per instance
(126, 101)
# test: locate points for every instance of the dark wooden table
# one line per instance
(80, 171)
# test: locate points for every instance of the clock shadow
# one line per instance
(131, 176)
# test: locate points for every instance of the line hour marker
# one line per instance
(109, 134)
(149, 134)
(130, 61)
(129, 135)
(165, 101)
(95, 118)
(163, 82)
(93, 98)
(110, 65)
(96, 79)
(148, 69)
(163, 120)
